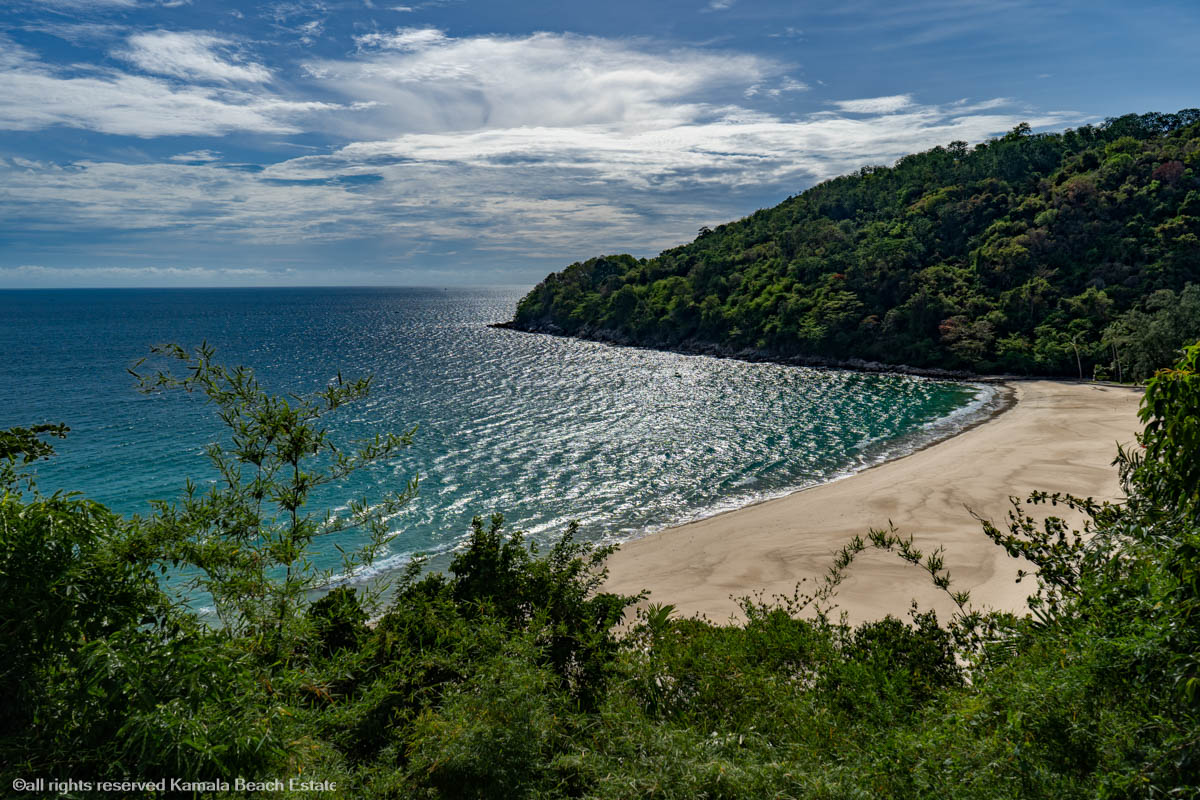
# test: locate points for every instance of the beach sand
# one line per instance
(1057, 436)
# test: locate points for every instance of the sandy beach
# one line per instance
(1054, 437)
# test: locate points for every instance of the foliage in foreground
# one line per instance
(1073, 253)
(504, 677)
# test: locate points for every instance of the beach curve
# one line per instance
(1056, 436)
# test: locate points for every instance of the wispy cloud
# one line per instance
(37, 270)
(788, 85)
(80, 32)
(144, 107)
(35, 95)
(303, 19)
(12, 55)
(407, 39)
(87, 4)
(876, 105)
(310, 31)
(197, 156)
(38, 275)
(727, 147)
(191, 56)
(431, 82)
(562, 191)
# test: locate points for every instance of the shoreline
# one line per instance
(693, 347)
(1003, 400)
(1048, 435)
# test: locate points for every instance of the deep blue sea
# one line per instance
(542, 429)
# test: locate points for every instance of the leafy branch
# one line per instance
(248, 539)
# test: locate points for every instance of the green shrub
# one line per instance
(506, 677)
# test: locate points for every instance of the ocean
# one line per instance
(542, 429)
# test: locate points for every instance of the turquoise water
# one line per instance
(542, 429)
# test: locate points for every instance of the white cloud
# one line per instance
(34, 95)
(965, 106)
(876, 105)
(191, 56)
(407, 39)
(438, 83)
(729, 147)
(37, 271)
(87, 4)
(561, 192)
(13, 55)
(719, 5)
(310, 31)
(135, 106)
(79, 32)
(546, 145)
(190, 200)
(197, 156)
(788, 85)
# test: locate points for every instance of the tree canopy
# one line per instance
(1032, 253)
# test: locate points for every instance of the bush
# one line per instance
(506, 676)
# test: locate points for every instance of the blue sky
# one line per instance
(473, 142)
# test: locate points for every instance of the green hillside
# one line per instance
(1035, 253)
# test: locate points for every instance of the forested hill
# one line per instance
(1049, 253)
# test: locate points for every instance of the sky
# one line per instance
(489, 142)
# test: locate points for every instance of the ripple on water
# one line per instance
(543, 429)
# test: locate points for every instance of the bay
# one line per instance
(542, 429)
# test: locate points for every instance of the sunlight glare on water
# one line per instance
(542, 429)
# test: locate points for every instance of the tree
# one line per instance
(102, 673)
(1143, 340)
(20, 447)
(247, 541)
(1169, 472)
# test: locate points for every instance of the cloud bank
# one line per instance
(549, 146)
